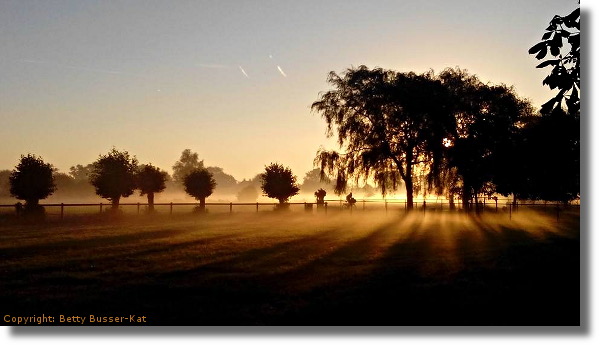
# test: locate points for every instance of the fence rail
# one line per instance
(491, 205)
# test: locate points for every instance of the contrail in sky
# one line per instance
(281, 71)
(244, 72)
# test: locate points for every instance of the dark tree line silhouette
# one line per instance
(117, 174)
(448, 133)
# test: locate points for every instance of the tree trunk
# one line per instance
(32, 203)
(451, 201)
(202, 203)
(150, 201)
(476, 204)
(408, 180)
(115, 203)
(466, 197)
(409, 192)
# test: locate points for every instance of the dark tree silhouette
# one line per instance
(547, 154)
(320, 194)
(151, 180)
(113, 176)
(388, 123)
(279, 182)
(187, 163)
(199, 184)
(488, 120)
(32, 180)
(564, 61)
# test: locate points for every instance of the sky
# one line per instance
(231, 80)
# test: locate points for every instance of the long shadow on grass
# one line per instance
(93, 242)
(520, 281)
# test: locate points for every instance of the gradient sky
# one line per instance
(231, 80)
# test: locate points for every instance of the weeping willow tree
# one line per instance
(389, 125)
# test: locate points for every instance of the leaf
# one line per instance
(541, 54)
(548, 62)
(573, 15)
(557, 41)
(538, 47)
(547, 107)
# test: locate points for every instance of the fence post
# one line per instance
(325, 208)
(386, 206)
(424, 206)
(62, 211)
(230, 207)
(496, 205)
(171, 209)
(138, 208)
(257, 207)
(100, 207)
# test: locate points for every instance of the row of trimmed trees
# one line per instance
(117, 174)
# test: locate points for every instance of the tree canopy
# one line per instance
(32, 180)
(279, 182)
(448, 132)
(199, 183)
(187, 163)
(114, 175)
(151, 180)
(388, 124)
(488, 121)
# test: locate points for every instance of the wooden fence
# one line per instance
(395, 205)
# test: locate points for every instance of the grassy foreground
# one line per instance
(296, 269)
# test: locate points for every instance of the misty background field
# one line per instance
(364, 268)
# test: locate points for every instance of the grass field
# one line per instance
(295, 268)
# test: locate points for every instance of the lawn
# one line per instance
(296, 268)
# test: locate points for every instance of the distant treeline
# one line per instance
(75, 186)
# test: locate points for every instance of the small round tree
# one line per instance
(320, 194)
(279, 182)
(32, 180)
(151, 180)
(114, 176)
(199, 184)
